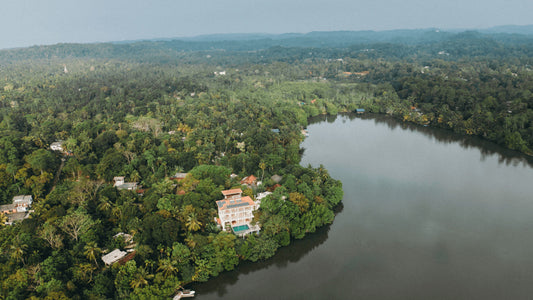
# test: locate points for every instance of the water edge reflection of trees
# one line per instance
(485, 147)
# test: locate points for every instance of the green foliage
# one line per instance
(261, 247)
(218, 174)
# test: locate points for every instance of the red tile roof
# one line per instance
(127, 258)
(249, 180)
(227, 204)
(274, 187)
(231, 192)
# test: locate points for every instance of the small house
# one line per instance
(120, 184)
(261, 196)
(250, 181)
(360, 110)
(276, 178)
(22, 202)
(128, 238)
(364, 73)
(114, 256)
(18, 210)
(275, 130)
(57, 146)
(8, 209)
(179, 176)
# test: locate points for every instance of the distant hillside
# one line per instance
(329, 38)
(511, 29)
(263, 48)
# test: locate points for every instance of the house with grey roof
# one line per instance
(18, 210)
(114, 256)
(120, 184)
(57, 146)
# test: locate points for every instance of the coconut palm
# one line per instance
(192, 222)
(262, 166)
(92, 252)
(140, 278)
(3, 219)
(104, 204)
(18, 250)
(191, 241)
(167, 267)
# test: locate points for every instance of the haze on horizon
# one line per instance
(34, 22)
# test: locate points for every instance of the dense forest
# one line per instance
(148, 110)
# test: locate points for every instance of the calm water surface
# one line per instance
(427, 214)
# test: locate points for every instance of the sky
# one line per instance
(37, 22)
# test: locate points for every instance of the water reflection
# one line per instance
(285, 256)
(486, 148)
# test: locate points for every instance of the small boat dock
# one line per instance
(184, 294)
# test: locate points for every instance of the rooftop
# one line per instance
(262, 195)
(7, 207)
(56, 145)
(179, 176)
(231, 192)
(228, 204)
(249, 180)
(127, 186)
(127, 237)
(18, 216)
(113, 256)
(276, 178)
(22, 199)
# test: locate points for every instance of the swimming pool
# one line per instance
(240, 228)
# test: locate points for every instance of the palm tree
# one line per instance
(135, 176)
(92, 251)
(86, 270)
(262, 166)
(190, 240)
(192, 222)
(18, 250)
(3, 219)
(167, 267)
(140, 278)
(105, 204)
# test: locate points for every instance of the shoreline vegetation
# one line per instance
(146, 111)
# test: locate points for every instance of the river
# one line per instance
(426, 214)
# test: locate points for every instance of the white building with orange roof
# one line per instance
(235, 212)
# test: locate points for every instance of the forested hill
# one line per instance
(412, 43)
(148, 110)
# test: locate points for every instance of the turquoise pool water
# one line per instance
(236, 229)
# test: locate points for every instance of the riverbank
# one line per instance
(419, 218)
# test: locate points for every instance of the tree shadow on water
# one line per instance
(486, 148)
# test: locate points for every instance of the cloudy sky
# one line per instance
(37, 22)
